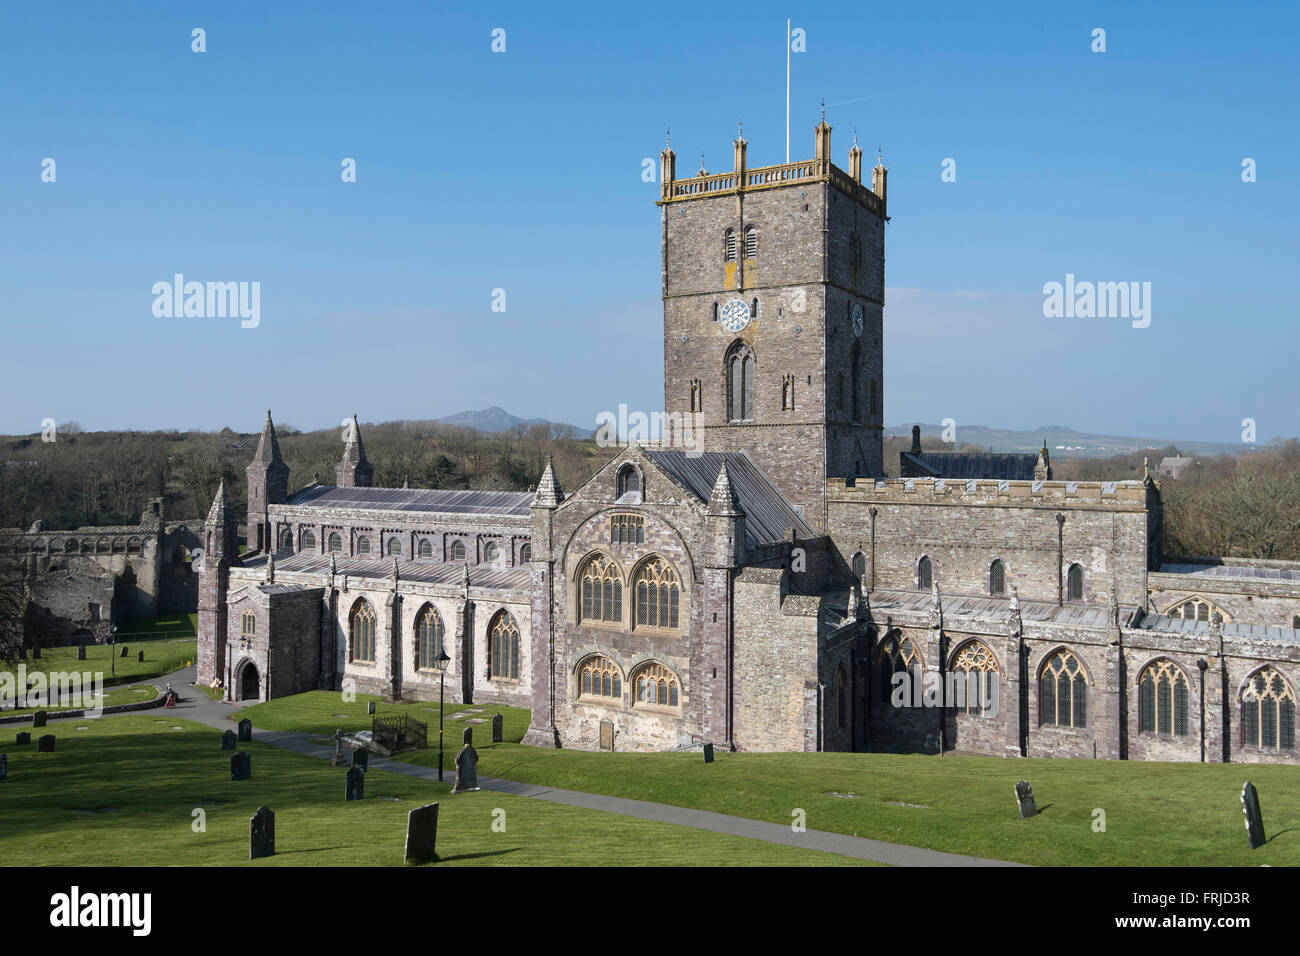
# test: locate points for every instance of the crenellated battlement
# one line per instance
(1120, 495)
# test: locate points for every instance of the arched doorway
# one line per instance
(248, 683)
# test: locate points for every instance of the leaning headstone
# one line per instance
(241, 766)
(422, 834)
(1254, 818)
(38, 718)
(125, 650)
(4, 766)
(467, 738)
(45, 745)
(340, 758)
(361, 758)
(1025, 799)
(245, 729)
(498, 728)
(228, 740)
(466, 769)
(708, 753)
(23, 737)
(81, 652)
(356, 785)
(140, 657)
(261, 833)
(370, 707)
(607, 735)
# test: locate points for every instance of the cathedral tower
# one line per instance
(268, 484)
(220, 551)
(773, 292)
(354, 471)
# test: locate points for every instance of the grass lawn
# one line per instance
(172, 625)
(121, 694)
(123, 792)
(1156, 814)
(161, 656)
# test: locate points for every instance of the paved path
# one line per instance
(199, 707)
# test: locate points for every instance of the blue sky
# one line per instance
(522, 170)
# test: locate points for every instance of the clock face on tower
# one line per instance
(857, 320)
(735, 315)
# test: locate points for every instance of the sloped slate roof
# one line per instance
(1261, 632)
(416, 500)
(481, 576)
(962, 465)
(1233, 571)
(767, 513)
(982, 608)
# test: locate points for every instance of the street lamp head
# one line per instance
(442, 660)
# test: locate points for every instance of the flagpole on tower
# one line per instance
(787, 90)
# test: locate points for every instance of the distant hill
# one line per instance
(1062, 441)
(496, 419)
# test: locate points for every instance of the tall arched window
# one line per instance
(751, 243)
(656, 686)
(855, 371)
(491, 553)
(363, 632)
(458, 550)
(1162, 699)
(308, 540)
(1268, 711)
(428, 637)
(503, 647)
(286, 539)
(247, 624)
(657, 594)
(859, 566)
(1295, 622)
(394, 548)
(601, 678)
(629, 480)
(336, 543)
(1074, 583)
(363, 545)
(741, 367)
(730, 245)
(525, 553)
(1063, 698)
(898, 656)
(997, 578)
(975, 679)
(426, 548)
(924, 574)
(601, 587)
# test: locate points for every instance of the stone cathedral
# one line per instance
(772, 591)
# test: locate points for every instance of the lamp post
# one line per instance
(441, 662)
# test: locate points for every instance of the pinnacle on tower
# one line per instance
(268, 445)
(270, 568)
(1043, 466)
(549, 493)
(354, 471)
(723, 500)
(219, 513)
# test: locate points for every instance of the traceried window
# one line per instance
(924, 574)
(1268, 711)
(1074, 583)
(363, 545)
(426, 548)
(626, 529)
(336, 543)
(458, 550)
(731, 245)
(1162, 699)
(975, 679)
(740, 369)
(428, 637)
(601, 586)
(308, 540)
(997, 578)
(1063, 691)
(1197, 609)
(600, 678)
(247, 624)
(898, 656)
(363, 632)
(656, 686)
(751, 243)
(503, 649)
(657, 594)
(491, 552)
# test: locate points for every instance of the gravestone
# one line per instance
(81, 652)
(241, 766)
(4, 766)
(140, 657)
(422, 834)
(38, 718)
(1254, 818)
(361, 758)
(467, 738)
(45, 745)
(339, 759)
(1025, 799)
(498, 728)
(125, 650)
(370, 707)
(607, 735)
(466, 769)
(36, 653)
(356, 785)
(24, 737)
(228, 740)
(708, 753)
(261, 833)
(245, 729)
